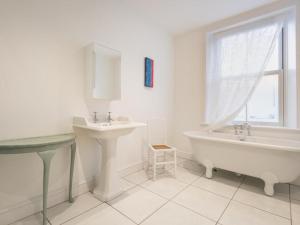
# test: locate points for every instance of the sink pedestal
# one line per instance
(107, 184)
(107, 179)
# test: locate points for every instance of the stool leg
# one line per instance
(175, 163)
(165, 159)
(46, 156)
(154, 165)
(73, 153)
(148, 160)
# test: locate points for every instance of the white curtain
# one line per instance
(236, 60)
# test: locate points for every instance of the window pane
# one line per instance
(274, 63)
(264, 103)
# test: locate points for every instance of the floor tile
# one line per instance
(205, 203)
(166, 186)
(36, 219)
(187, 176)
(65, 211)
(103, 214)
(240, 214)
(251, 193)
(224, 183)
(139, 177)
(295, 192)
(295, 206)
(192, 165)
(173, 214)
(137, 203)
(125, 185)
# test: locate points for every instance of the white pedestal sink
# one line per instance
(107, 181)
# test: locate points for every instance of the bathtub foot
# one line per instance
(270, 179)
(209, 168)
(269, 189)
(208, 172)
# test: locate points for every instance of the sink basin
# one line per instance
(106, 130)
(107, 180)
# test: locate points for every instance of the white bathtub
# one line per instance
(273, 159)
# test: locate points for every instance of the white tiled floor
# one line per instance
(66, 211)
(137, 203)
(251, 193)
(238, 213)
(35, 219)
(190, 199)
(223, 183)
(174, 214)
(166, 187)
(203, 202)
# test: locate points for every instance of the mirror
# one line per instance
(103, 73)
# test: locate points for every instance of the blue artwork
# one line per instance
(149, 66)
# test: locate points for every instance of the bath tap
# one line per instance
(95, 120)
(247, 126)
(240, 130)
(236, 129)
(109, 118)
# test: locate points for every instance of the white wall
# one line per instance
(189, 80)
(42, 86)
(190, 71)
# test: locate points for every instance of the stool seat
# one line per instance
(159, 147)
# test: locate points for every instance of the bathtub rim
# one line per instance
(191, 134)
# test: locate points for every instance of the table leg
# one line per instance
(46, 156)
(73, 152)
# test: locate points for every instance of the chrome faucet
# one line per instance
(109, 118)
(95, 119)
(247, 127)
(242, 130)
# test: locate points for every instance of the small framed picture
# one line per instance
(149, 70)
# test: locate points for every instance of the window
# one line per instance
(255, 55)
(265, 107)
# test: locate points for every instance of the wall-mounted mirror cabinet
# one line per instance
(103, 73)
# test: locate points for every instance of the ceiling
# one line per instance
(178, 16)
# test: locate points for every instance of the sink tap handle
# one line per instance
(109, 118)
(95, 117)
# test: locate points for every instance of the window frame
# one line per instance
(281, 84)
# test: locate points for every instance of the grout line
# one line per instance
(167, 199)
(128, 181)
(261, 209)
(231, 199)
(80, 214)
(249, 205)
(183, 206)
(243, 203)
(219, 195)
(290, 204)
(121, 213)
(163, 205)
(185, 186)
(47, 219)
(172, 199)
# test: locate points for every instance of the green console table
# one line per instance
(45, 147)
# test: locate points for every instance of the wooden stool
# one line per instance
(157, 146)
